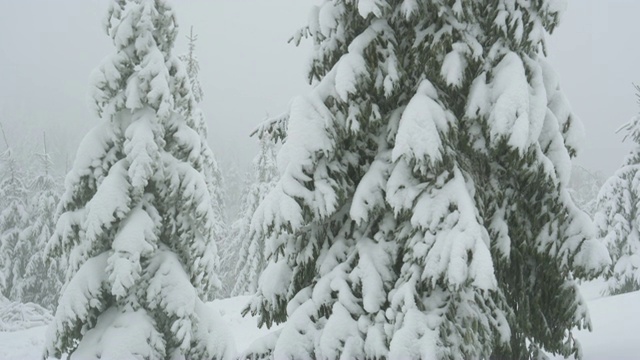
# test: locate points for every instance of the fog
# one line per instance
(248, 70)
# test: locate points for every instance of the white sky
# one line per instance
(48, 49)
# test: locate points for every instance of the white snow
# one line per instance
(135, 239)
(366, 7)
(409, 7)
(119, 335)
(510, 114)
(574, 136)
(415, 340)
(270, 282)
(29, 343)
(23, 344)
(340, 325)
(109, 204)
(422, 123)
(614, 335)
(348, 70)
(16, 316)
(327, 17)
(141, 149)
(614, 322)
(369, 194)
(513, 102)
(453, 68)
(373, 262)
(461, 234)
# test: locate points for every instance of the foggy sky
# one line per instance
(49, 48)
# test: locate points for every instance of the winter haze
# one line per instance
(421, 199)
(248, 69)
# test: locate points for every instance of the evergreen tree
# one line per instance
(213, 175)
(41, 278)
(423, 209)
(618, 218)
(136, 224)
(250, 260)
(13, 220)
(230, 248)
(190, 59)
(584, 187)
(235, 181)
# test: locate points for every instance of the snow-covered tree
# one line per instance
(250, 262)
(235, 180)
(213, 174)
(40, 279)
(190, 59)
(618, 218)
(137, 222)
(584, 187)
(423, 210)
(13, 220)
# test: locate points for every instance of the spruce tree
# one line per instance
(423, 209)
(137, 224)
(584, 187)
(235, 181)
(212, 172)
(250, 261)
(190, 59)
(41, 279)
(618, 218)
(13, 220)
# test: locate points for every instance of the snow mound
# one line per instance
(245, 329)
(17, 316)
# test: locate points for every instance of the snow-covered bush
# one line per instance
(16, 316)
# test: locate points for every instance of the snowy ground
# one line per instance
(28, 344)
(20, 345)
(615, 320)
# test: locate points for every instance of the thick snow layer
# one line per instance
(117, 335)
(366, 7)
(453, 68)
(614, 322)
(421, 126)
(614, 335)
(23, 344)
(244, 330)
(29, 344)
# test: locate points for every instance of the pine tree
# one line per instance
(423, 209)
(250, 261)
(618, 218)
(136, 224)
(41, 278)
